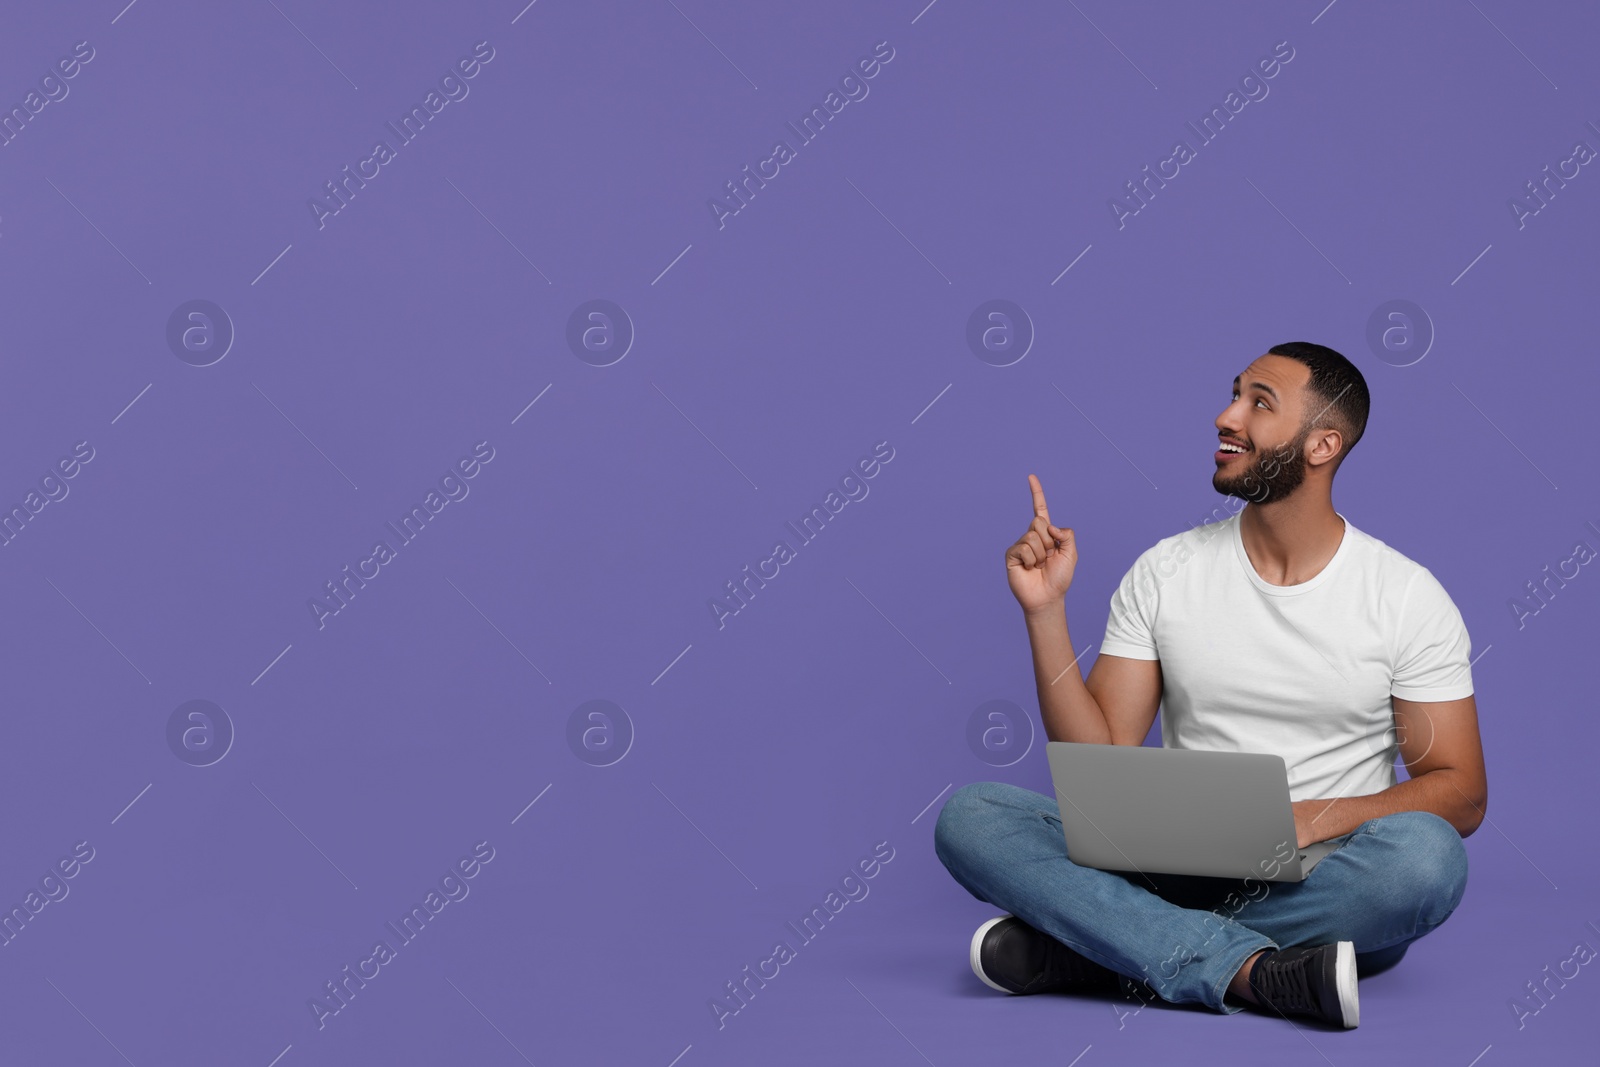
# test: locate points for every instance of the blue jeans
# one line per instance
(1388, 882)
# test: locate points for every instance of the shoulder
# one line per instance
(1169, 556)
(1398, 577)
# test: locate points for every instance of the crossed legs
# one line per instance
(1389, 882)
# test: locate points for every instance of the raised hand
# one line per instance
(1039, 566)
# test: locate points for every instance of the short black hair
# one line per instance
(1336, 385)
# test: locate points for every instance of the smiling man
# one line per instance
(1283, 629)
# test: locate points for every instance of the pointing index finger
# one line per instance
(1039, 507)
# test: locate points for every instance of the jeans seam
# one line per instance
(1221, 988)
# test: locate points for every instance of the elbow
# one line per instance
(1472, 814)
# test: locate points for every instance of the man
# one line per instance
(1282, 629)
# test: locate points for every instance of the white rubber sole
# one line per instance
(977, 943)
(1345, 983)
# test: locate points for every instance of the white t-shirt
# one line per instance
(1304, 671)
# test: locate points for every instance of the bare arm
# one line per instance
(1443, 754)
(1114, 707)
(1118, 703)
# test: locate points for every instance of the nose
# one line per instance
(1227, 423)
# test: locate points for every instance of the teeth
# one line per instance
(1231, 448)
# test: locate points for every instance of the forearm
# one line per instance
(1446, 792)
(1068, 709)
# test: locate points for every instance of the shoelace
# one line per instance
(1284, 984)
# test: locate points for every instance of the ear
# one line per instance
(1327, 445)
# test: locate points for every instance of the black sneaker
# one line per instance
(1009, 955)
(1318, 981)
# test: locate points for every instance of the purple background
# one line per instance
(832, 712)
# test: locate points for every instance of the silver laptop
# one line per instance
(1179, 811)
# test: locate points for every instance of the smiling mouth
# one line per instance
(1223, 455)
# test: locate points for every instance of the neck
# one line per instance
(1289, 541)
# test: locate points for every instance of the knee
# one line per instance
(967, 817)
(1429, 864)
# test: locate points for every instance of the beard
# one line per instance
(1269, 477)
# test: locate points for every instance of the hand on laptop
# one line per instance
(1306, 827)
(1039, 566)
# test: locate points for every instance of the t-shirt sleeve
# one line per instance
(1130, 628)
(1434, 653)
